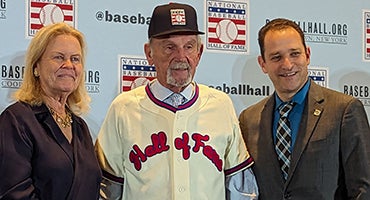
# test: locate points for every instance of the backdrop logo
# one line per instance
(319, 75)
(227, 26)
(2, 9)
(323, 32)
(11, 76)
(367, 35)
(134, 72)
(108, 16)
(41, 14)
(358, 91)
(243, 89)
(92, 81)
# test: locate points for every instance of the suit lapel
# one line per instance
(311, 115)
(266, 141)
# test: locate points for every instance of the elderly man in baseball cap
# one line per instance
(174, 138)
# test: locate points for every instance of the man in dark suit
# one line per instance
(323, 150)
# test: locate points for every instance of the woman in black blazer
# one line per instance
(46, 151)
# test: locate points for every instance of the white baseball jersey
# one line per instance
(162, 152)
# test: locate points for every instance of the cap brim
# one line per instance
(177, 32)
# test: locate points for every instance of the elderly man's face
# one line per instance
(175, 59)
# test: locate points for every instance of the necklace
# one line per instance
(64, 122)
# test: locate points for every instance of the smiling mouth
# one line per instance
(289, 74)
(179, 69)
(67, 76)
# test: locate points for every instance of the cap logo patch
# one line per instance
(178, 17)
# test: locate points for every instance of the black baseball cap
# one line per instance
(173, 18)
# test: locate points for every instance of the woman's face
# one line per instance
(60, 66)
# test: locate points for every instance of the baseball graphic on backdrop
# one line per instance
(139, 81)
(226, 31)
(51, 14)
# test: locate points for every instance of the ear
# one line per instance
(308, 54)
(148, 53)
(200, 53)
(261, 62)
(36, 72)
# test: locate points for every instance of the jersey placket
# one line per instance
(182, 154)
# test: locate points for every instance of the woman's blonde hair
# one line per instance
(30, 91)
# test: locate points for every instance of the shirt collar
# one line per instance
(160, 92)
(298, 98)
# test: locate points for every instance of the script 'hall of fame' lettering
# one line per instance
(159, 145)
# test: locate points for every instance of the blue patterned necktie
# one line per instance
(284, 138)
(176, 99)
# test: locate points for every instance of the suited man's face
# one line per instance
(285, 62)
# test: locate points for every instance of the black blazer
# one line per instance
(38, 162)
(331, 156)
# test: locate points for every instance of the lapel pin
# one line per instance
(317, 112)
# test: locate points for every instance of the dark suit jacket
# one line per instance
(37, 162)
(331, 156)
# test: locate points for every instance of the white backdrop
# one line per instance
(338, 33)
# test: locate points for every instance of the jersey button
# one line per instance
(181, 189)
